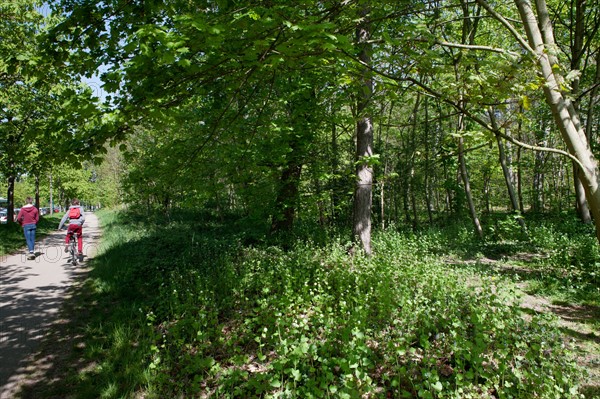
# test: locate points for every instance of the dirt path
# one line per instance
(31, 294)
(579, 324)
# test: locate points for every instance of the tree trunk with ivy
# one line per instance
(285, 203)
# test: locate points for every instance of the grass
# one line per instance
(196, 309)
(11, 236)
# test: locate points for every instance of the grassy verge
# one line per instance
(187, 309)
(11, 236)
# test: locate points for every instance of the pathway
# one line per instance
(31, 293)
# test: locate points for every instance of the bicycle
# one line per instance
(73, 255)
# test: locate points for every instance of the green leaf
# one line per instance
(275, 384)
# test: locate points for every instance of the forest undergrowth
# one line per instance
(197, 309)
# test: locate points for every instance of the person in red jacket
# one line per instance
(76, 218)
(29, 217)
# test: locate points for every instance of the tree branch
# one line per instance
(476, 47)
(507, 24)
(483, 123)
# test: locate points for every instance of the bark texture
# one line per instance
(541, 42)
(363, 193)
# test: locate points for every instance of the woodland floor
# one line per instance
(579, 324)
(61, 353)
(576, 324)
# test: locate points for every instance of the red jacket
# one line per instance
(28, 215)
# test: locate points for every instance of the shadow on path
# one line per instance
(31, 295)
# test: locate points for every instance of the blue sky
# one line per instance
(94, 82)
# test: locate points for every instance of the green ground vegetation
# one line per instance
(193, 308)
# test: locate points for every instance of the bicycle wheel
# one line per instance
(73, 254)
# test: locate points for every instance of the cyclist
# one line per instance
(76, 219)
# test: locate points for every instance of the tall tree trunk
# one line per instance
(469, 29)
(581, 206)
(386, 168)
(589, 123)
(465, 179)
(37, 191)
(448, 197)
(287, 195)
(538, 170)
(487, 188)
(541, 39)
(321, 205)
(51, 195)
(412, 156)
(363, 193)
(520, 167)
(382, 197)
(428, 168)
(506, 171)
(406, 196)
(285, 203)
(10, 196)
(300, 108)
(337, 186)
(413, 201)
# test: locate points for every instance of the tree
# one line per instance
(363, 194)
(256, 109)
(226, 60)
(19, 22)
(540, 44)
(44, 110)
(469, 31)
